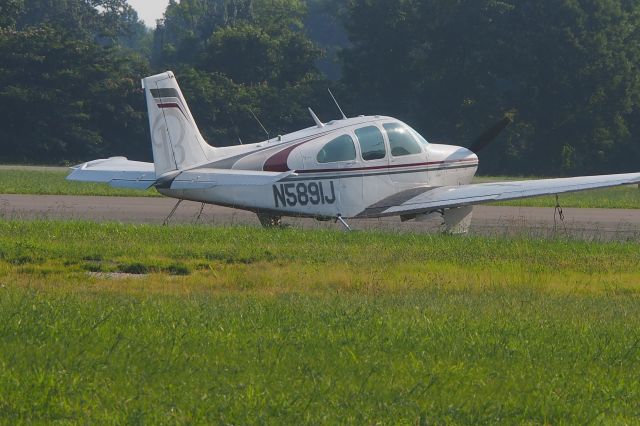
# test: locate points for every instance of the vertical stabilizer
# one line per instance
(176, 140)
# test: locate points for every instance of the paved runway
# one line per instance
(599, 224)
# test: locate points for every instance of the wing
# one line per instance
(122, 173)
(427, 199)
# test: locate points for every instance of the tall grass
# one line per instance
(245, 326)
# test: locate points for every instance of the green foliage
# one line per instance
(256, 59)
(247, 54)
(323, 25)
(313, 327)
(67, 99)
(568, 71)
(9, 10)
(105, 21)
(190, 24)
(69, 89)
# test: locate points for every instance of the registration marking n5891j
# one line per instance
(303, 194)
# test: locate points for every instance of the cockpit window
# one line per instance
(338, 149)
(401, 141)
(371, 143)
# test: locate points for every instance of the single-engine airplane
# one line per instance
(361, 167)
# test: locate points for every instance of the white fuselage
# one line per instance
(321, 188)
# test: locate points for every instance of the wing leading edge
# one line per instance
(122, 173)
(427, 199)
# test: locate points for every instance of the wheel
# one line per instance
(270, 221)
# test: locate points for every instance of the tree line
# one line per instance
(566, 72)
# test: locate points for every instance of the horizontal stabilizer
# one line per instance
(122, 173)
(209, 178)
(116, 171)
(428, 199)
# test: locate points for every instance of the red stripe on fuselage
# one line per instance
(279, 161)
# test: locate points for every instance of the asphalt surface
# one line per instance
(598, 224)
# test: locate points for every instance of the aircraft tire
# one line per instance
(270, 221)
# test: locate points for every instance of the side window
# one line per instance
(338, 149)
(371, 143)
(401, 141)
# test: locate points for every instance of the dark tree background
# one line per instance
(69, 88)
(566, 72)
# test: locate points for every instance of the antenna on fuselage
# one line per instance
(260, 123)
(344, 117)
(319, 123)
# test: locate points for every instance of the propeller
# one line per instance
(489, 135)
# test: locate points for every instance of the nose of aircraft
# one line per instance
(460, 153)
(451, 153)
(470, 154)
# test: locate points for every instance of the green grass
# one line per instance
(51, 181)
(244, 326)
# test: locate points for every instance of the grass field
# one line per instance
(51, 181)
(105, 323)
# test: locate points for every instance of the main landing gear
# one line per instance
(272, 221)
(343, 222)
(269, 220)
(456, 220)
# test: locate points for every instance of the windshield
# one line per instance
(401, 140)
(417, 135)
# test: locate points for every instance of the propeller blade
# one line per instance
(488, 136)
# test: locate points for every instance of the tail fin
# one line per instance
(176, 140)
